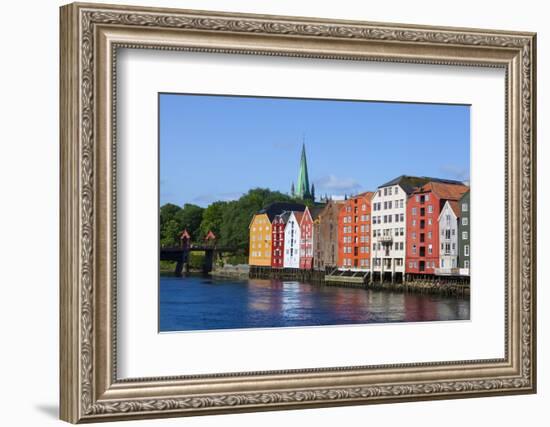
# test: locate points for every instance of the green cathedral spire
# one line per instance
(303, 189)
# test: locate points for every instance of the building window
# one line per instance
(429, 234)
(430, 249)
(464, 207)
(466, 250)
(464, 221)
(389, 204)
(429, 221)
(464, 235)
(414, 249)
(466, 264)
(414, 222)
(414, 211)
(430, 208)
(413, 235)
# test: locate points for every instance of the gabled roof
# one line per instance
(411, 183)
(298, 215)
(443, 190)
(366, 194)
(279, 207)
(453, 204)
(304, 215)
(283, 217)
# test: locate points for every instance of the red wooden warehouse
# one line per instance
(423, 208)
(306, 240)
(354, 222)
(278, 240)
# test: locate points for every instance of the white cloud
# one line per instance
(332, 183)
(455, 172)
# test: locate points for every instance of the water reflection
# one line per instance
(198, 303)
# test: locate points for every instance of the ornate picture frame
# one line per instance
(90, 37)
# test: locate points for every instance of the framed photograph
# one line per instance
(266, 212)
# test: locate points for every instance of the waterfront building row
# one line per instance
(409, 225)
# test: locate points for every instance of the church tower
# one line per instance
(303, 188)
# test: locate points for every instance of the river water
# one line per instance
(203, 303)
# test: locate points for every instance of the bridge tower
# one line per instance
(183, 262)
(210, 244)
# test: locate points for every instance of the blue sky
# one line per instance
(218, 147)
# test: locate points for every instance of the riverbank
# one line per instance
(422, 285)
(228, 271)
(419, 287)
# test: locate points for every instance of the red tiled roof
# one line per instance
(443, 190)
(367, 194)
(454, 207)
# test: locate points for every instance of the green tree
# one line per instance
(228, 220)
(212, 219)
(190, 218)
(168, 212)
(169, 233)
(169, 225)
